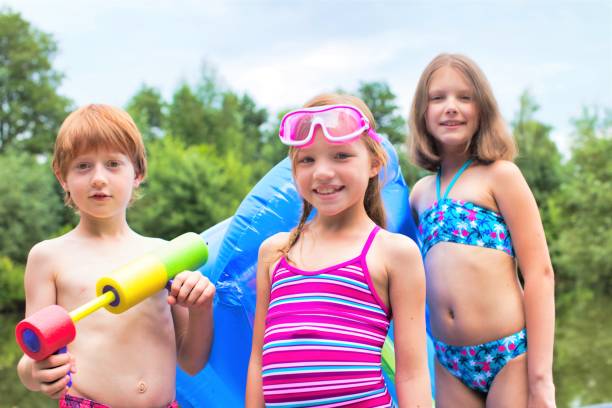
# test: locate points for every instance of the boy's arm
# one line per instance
(407, 301)
(268, 254)
(50, 375)
(191, 299)
(519, 208)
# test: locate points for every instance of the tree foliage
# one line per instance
(381, 101)
(189, 188)
(581, 209)
(31, 210)
(539, 159)
(30, 107)
(147, 108)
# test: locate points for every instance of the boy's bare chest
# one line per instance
(79, 272)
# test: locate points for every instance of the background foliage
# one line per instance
(208, 145)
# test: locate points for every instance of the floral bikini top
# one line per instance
(462, 222)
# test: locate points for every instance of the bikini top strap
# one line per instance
(368, 243)
(453, 181)
(438, 176)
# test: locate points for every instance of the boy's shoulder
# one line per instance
(49, 248)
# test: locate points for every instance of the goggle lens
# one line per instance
(339, 124)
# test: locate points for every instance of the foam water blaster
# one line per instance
(52, 328)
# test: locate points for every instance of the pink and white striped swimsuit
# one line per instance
(324, 334)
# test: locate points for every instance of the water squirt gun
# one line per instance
(52, 328)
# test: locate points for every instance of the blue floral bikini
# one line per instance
(463, 222)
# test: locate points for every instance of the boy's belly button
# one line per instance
(142, 386)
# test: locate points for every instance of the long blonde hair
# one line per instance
(492, 141)
(372, 199)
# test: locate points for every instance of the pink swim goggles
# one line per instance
(339, 123)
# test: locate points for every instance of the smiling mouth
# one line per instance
(452, 123)
(327, 190)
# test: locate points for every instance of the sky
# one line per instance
(282, 53)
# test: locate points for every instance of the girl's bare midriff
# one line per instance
(473, 294)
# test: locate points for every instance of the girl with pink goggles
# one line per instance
(339, 124)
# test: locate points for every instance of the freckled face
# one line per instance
(101, 183)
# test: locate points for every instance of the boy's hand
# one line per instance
(52, 374)
(192, 290)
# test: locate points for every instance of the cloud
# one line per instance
(288, 75)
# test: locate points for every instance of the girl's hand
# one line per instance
(542, 395)
(192, 290)
(51, 374)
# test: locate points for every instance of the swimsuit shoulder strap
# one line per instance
(368, 243)
(453, 181)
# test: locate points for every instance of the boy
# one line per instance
(125, 360)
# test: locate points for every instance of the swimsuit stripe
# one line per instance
(322, 279)
(323, 338)
(332, 402)
(324, 326)
(332, 387)
(316, 383)
(330, 343)
(321, 297)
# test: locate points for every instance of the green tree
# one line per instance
(381, 101)
(189, 188)
(31, 209)
(188, 119)
(539, 159)
(147, 108)
(30, 108)
(11, 285)
(581, 209)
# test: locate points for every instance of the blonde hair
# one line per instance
(492, 140)
(94, 127)
(372, 199)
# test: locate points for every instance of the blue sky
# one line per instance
(284, 52)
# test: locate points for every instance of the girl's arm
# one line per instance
(519, 208)
(268, 254)
(407, 301)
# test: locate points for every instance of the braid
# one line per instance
(295, 234)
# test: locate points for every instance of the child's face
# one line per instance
(101, 182)
(452, 115)
(333, 177)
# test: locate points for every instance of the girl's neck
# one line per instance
(450, 163)
(354, 218)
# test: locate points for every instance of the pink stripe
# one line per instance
(326, 388)
(310, 383)
(363, 322)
